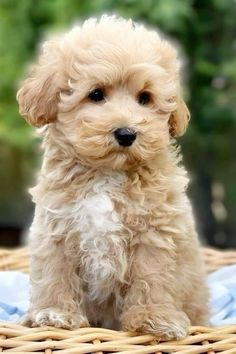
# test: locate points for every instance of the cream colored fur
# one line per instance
(113, 240)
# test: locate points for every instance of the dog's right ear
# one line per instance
(179, 119)
(38, 95)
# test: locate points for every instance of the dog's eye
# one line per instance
(144, 98)
(96, 95)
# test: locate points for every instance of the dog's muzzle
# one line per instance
(125, 136)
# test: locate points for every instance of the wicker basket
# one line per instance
(48, 340)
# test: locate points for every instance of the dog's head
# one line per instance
(111, 88)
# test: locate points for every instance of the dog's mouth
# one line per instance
(115, 157)
(125, 156)
(118, 150)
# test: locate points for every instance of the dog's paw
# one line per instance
(165, 325)
(54, 317)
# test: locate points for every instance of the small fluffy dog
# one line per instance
(113, 241)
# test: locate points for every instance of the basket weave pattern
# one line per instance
(48, 340)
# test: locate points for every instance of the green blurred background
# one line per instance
(206, 32)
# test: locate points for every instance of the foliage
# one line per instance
(205, 31)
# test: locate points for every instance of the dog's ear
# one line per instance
(179, 119)
(38, 95)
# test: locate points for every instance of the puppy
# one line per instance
(113, 241)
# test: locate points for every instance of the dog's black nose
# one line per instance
(125, 136)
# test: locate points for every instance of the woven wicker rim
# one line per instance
(19, 339)
(48, 340)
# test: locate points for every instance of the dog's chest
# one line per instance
(102, 239)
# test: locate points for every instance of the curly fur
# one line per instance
(113, 240)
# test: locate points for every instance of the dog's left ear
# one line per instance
(179, 119)
(38, 95)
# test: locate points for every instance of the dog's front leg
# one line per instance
(56, 292)
(151, 304)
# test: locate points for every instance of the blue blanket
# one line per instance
(222, 286)
(14, 295)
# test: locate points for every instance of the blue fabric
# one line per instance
(14, 295)
(222, 285)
